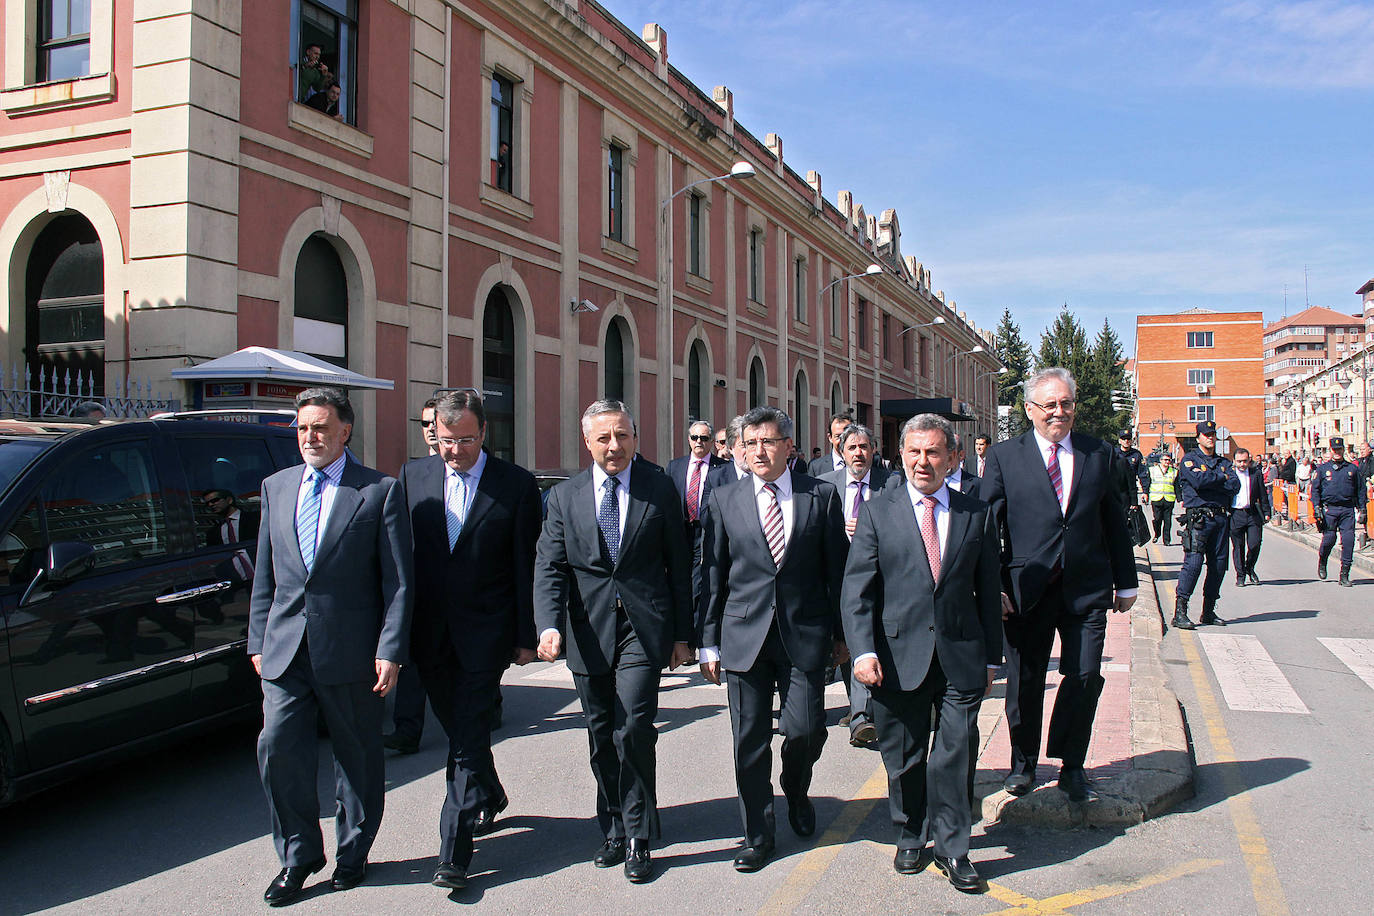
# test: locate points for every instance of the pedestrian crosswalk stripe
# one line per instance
(1355, 654)
(1249, 679)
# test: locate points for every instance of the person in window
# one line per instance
(313, 73)
(233, 524)
(327, 100)
(503, 165)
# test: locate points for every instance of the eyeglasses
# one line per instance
(766, 444)
(465, 442)
(700, 438)
(1065, 405)
(425, 423)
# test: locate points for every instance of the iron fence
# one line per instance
(65, 394)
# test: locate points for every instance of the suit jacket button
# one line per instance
(932, 629)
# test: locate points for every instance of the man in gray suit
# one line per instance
(922, 610)
(773, 560)
(857, 481)
(959, 477)
(328, 628)
(833, 459)
(612, 584)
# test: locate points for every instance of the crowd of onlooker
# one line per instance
(318, 87)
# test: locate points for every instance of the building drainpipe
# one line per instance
(443, 204)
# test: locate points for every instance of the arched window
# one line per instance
(698, 382)
(321, 325)
(757, 386)
(65, 302)
(801, 411)
(618, 360)
(836, 399)
(498, 374)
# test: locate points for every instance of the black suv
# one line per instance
(123, 592)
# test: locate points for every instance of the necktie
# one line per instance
(980, 466)
(858, 486)
(1056, 477)
(931, 535)
(694, 492)
(229, 537)
(608, 520)
(772, 525)
(456, 510)
(308, 524)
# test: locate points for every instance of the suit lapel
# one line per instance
(1080, 461)
(1036, 461)
(481, 501)
(954, 537)
(634, 513)
(803, 506)
(290, 490)
(347, 501)
(906, 522)
(747, 508)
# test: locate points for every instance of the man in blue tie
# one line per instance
(328, 629)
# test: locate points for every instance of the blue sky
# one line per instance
(1121, 158)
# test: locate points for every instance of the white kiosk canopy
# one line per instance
(284, 366)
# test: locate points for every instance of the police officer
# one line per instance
(1208, 485)
(1131, 466)
(1337, 489)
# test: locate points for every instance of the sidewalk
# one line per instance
(1139, 756)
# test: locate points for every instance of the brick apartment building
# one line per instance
(1300, 345)
(497, 195)
(1198, 365)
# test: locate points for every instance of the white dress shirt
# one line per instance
(955, 479)
(1066, 459)
(836, 460)
(1242, 499)
(474, 475)
(332, 475)
(850, 490)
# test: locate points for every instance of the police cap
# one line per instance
(1337, 442)
(1207, 428)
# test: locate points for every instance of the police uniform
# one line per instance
(1132, 463)
(1208, 485)
(1337, 490)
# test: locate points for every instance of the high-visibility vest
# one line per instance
(1162, 483)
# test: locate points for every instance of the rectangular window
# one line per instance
(326, 76)
(836, 323)
(1199, 412)
(799, 281)
(925, 357)
(756, 265)
(861, 324)
(1202, 376)
(502, 133)
(886, 324)
(694, 234)
(1199, 338)
(64, 40)
(906, 346)
(616, 198)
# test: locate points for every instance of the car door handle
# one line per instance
(196, 592)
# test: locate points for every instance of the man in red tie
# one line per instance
(689, 474)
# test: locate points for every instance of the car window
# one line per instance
(220, 466)
(19, 549)
(15, 455)
(109, 497)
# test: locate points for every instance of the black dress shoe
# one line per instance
(612, 852)
(289, 883)
(863, 735)
(1321, 570)
(960, 873)
(911, 861)
(1253, 579)
(453, 877)
(752, 858)
(1018, 784)
(1240, 582)
(801, 814)
(486, 817)
(1074, 782)
(401, 744)
(346, 878)
(638, 866)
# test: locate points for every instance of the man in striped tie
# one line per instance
(328, 629)
(772, 564)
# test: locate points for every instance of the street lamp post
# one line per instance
(1162, 424)
(916, 363)
(978, 376)
(872, 270)
(666, 360)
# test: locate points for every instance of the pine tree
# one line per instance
(1106, 374)
(1015, 354)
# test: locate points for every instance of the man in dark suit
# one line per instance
(959, 478)
(1067, 558)
(691, 476)
(832, 460)
(922, 611)
(974, 463)
(1250, 512)
(474, 521)
(856, 483)
(773, 560)
(233, 523)
(613, 586)
(328, 628)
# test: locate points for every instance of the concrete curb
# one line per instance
(1161, 772)
(1310, 538)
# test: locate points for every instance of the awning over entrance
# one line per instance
(904, 408)
(285, 366)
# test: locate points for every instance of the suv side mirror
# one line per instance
(68, 560)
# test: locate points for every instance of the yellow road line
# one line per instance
(1059, 903)
(808, 872)
(1264, 880)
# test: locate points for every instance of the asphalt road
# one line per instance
(1281, 821)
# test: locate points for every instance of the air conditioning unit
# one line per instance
(1200, 389)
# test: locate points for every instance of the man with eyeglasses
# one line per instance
(474, 522)
(1067, 558)
(721, 444)
(735, 468)
(690, 474)
(773, 565)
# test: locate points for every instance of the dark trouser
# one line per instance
(929, 800)
(1342, 519)
(1030, 638)
(408, 717)
(463, 701)
(801, 723)
(1163, 512)
(620, 707)
(1247, 530)
(859, 709)
(1209, 546)
(288, 758)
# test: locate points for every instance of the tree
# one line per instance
(1015, 354)
(1097, 370)
(1106, 382)
(1065, 344)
